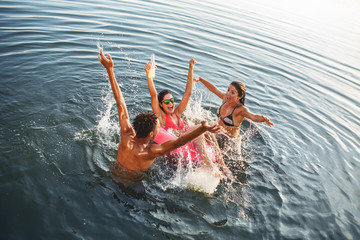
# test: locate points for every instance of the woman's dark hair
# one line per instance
(161, 96)
(241, 89)
(144, 123)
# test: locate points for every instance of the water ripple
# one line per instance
(59, 128)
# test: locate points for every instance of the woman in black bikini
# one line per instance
(233, 111)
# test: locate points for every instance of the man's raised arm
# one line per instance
(120, 102)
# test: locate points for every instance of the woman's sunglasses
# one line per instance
(167, 101)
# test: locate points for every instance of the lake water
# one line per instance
(59, 130)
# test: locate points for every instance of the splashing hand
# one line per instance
(108, 64)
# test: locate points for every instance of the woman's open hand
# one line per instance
(268, 122)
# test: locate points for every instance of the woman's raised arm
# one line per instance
(210, 86)
(152, 90)
(188, 89)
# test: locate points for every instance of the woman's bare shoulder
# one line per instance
(241, 110)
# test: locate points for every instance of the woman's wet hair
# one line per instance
(144, 123)
(241, 89)
(161, 96)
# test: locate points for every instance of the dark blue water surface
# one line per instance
(59, 130)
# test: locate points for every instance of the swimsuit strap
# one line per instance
(181, 123)
(234, 109)
(219, 109)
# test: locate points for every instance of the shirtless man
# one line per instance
(135, 152)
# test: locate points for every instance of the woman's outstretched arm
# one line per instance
(255, 117)
(210, 86)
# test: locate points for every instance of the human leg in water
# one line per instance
(206, 162)
(211, 140)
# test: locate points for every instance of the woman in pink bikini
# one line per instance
(163, 105)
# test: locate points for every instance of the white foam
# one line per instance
(201, 180)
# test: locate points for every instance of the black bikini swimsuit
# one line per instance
(228, 120)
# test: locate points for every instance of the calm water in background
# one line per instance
(58, 129)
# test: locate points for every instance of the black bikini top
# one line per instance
(228, 120)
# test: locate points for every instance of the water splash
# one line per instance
(186, 176)
(101, 140)
(98, 45)
(106, 133)
(201, 179)
(195, 113)
(108, 127)
(104, 138)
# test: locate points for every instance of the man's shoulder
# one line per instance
(147, 153)
(154, 147)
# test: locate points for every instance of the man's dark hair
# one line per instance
(144, 123)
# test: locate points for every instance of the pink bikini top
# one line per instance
(169, 123)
